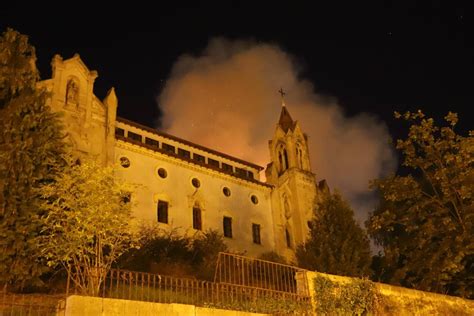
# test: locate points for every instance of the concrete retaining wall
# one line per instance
(85, 305)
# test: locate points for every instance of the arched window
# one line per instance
(162, 211)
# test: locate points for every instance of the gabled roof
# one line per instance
(286, 122)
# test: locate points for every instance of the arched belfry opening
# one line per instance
(282, 158)
(299, 156)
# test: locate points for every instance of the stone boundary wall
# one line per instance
(404, 301)
(86, 305)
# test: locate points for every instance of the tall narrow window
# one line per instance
(299, 156)
(285, 159)
(256, 234)
(288, 238)
(228, 227)
(197, 221)
(162, 212)
(282, 158)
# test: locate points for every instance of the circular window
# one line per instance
(195, 182)
(124, 162)
(226, 191)
(254, 199)
(162, 173)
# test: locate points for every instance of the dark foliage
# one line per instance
(174, 254)
(425, 221)
(337, 244)
(31, 153)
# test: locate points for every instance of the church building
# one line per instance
(188, 187)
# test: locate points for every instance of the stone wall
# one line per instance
(397, 300)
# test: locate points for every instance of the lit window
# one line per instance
(162, 173)
(124, 162)
(256, 234)
(196, 183)
(228, 227)
(197, 221)
(162, 212)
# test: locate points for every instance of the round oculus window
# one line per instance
(226, 191)
(254, 199)
(195, 182)
(124, 162)
(162, 173)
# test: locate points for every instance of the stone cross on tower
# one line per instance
(282, 93)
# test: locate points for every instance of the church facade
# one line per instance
(187, 187)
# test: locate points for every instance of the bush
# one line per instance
(273, 257)
(170, 253)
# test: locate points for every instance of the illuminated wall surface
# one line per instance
(188, 187)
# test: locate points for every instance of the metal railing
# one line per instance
(31, 304)
(148, 287)
(245, 271)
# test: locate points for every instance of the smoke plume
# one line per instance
(227, 99)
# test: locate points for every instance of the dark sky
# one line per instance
(375, 57)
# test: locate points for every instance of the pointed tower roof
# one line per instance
(286, 122)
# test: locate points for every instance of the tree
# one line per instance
(32, 152)
(337, 244)
(425, 219)
(206, 248)
(88, 223)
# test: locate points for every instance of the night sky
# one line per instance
(377, 57)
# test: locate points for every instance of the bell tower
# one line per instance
(295, 192)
